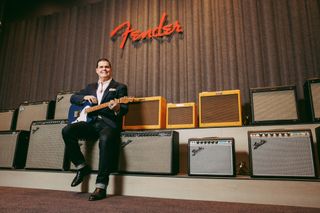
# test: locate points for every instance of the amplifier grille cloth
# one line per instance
(146, 154)
(143, 113)
(214, 159)
(6, 120)
(46, 147)
(220, 108)
(278, 157)
(8, 144)
(180, 115)
(275, 105)
(315, 88)
(62, 106)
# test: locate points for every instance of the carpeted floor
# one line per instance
(35, 200)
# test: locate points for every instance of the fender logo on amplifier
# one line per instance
(256, 145)
(125, 143)
(195, 151)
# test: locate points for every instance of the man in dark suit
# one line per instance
(105, 126)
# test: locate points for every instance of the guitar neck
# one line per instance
(101, 106)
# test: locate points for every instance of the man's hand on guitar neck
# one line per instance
(92, 99)
(113, 105)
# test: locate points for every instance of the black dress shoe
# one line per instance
(98, 194)
(81, 173)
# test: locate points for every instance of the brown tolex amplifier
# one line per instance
(149, 113)
(183, 115)
(274, 105)
(220, 108)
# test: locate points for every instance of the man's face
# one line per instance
(104, 70)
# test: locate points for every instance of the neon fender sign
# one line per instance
(136, 35)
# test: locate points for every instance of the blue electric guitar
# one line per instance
(79, 113)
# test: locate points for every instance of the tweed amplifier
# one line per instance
(153, 152)
(148, 113)
(312, 97)
(7, 120)
(211, 156)
(274, 105)
(281, 153)
(221, 108)
(46, 146)
(13, 149)
(183, 115)
(62, 105)
(29, 112)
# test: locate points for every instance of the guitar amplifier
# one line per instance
(183, 115)
(13, 149)
(274, 105)
(46, 146)
(153, 152)
(7, 120)
(312, 98)
(281, 153)
(62, 105)
(211, 156)
(29, 112)
(221, 108)
(90, 151)
(149, 113)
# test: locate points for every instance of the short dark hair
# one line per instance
(103, 59)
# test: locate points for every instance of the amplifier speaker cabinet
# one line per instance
(90, 151)
(283, 153)
(221, 108)
(46, 146)
(35, 111)
(7, 120)
(317, 130)
(13, 149)
(149, 113)
(211, 156)
(183, 115)
(62, 105)
(312, 98)
(153, 152)
(274, 105)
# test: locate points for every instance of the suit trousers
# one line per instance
(109, 145)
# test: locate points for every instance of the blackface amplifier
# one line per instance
(46, 146)
(274, 105)
(312, 97)
(153, 152)
(281, 153)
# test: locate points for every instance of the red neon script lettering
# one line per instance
(136, 35)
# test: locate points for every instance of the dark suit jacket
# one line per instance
(114, 90)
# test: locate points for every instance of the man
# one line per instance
(105, 126)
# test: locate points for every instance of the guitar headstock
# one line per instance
(129, 99)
